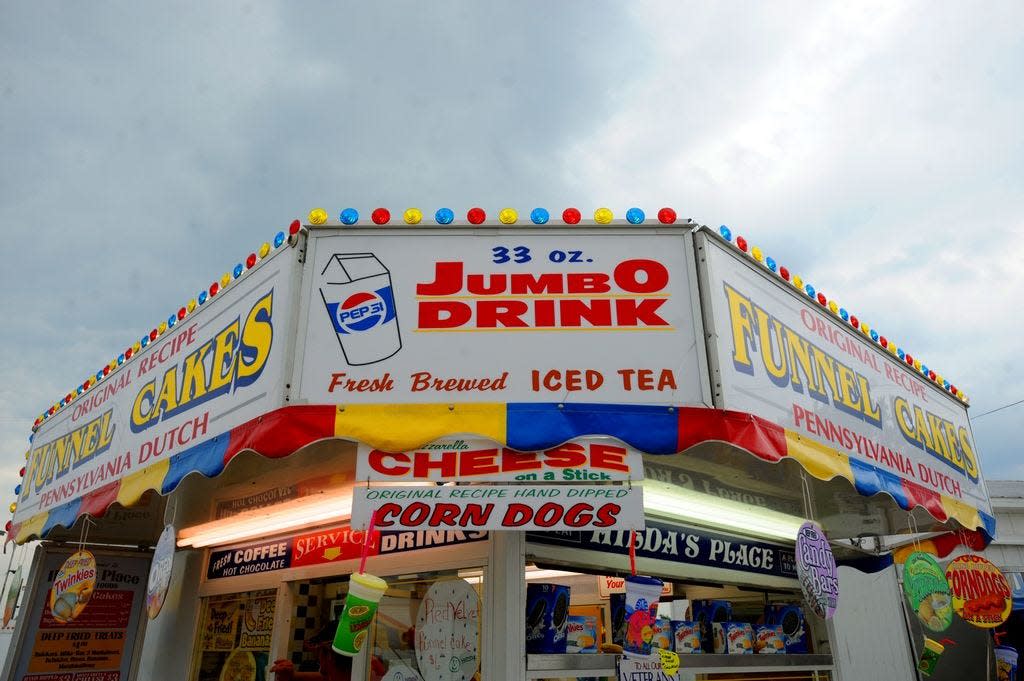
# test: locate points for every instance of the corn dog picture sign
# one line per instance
(73, 586)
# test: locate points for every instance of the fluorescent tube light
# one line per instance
(317, 509)
(715, 512)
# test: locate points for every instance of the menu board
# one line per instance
(99, 643)
(234, 637)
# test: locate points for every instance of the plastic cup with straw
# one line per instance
(364, 594)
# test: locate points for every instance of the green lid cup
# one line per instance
(364, 593)
(929, 657)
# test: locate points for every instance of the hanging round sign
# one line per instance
(816, 570)
(448, 632)
(981, 594)
(73, 586)
(11, 602)
(925, 586)
(160, 572)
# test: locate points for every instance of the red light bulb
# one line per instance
(931, 375)
(214, 288)
(741, 244)
(128, 354)
(822, 299)
(666, 216)
(883, 342)
(380, 216)
(250, 262)
(910, 360)
(106, 370)
(476, 215)
(153, 334)
(854, 322)
(784, 273)
(571, 216)
(952, 389)
(181, 313)
(294, 228)
(22, 472)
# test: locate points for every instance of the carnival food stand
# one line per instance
(488, 414)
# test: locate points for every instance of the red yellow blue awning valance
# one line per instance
(523, 426)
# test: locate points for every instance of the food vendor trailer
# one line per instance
(508, 405)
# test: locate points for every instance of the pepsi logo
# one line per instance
(362, 311)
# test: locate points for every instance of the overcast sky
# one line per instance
(877, 149)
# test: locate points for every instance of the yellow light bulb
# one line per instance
(317, 216)
(264, 249)
(757, 253)
(603, 216)
(225, 280)
(798, 281)
(833, 306)
(136, 347)
(412, 216)
(508, 216)
(191, 306)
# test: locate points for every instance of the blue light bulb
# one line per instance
(924, 369)
(540, 216)
(725, 232)
(349, 216)
(900, 353)
(279, 239)
(844, 314)
(144, 341)
(120, 360)
(172, 320)
(17, 490)
(874, 335)
(238, 270)
(635, 216)
(772, 265)
(444, 216)
(202, 297)
(809, 290)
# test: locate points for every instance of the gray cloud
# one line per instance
(877, 149)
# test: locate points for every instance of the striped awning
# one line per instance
(523, 426)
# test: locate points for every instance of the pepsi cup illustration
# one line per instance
(356, 289)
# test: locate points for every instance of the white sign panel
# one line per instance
(471, 459)
(520, 316)
(783, 358)
(448, 632)
(509, 507)
(644, 669)
(216, 369)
